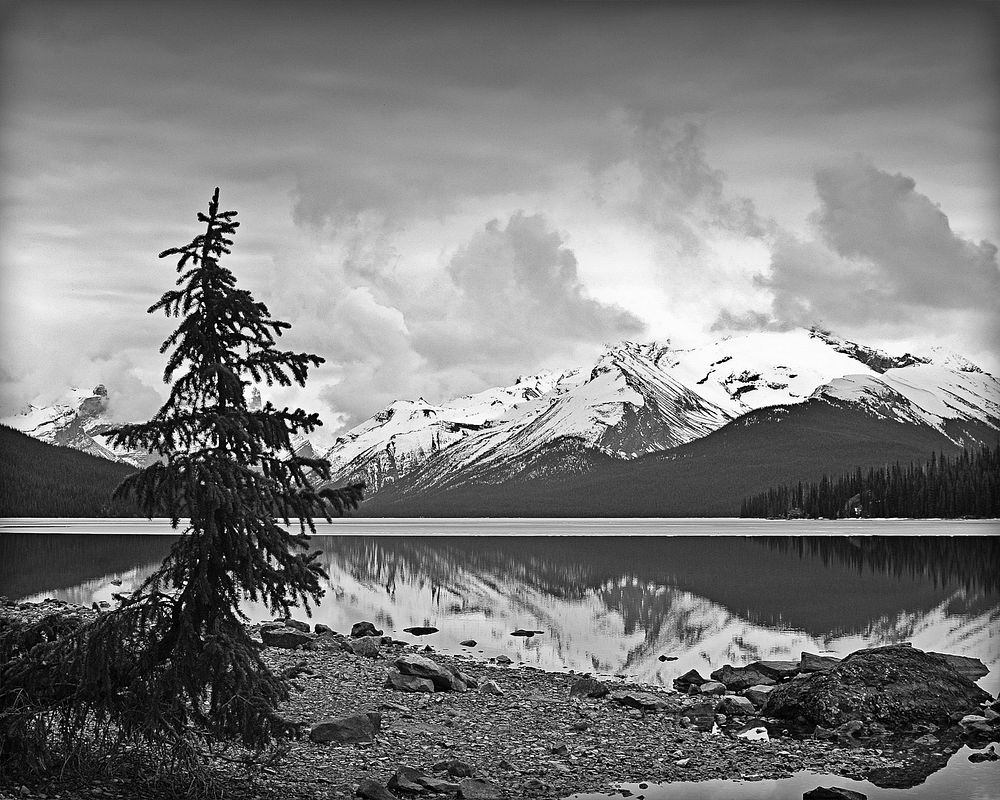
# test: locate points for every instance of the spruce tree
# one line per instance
(175, 657)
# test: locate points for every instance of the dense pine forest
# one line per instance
(42, 480)
(965, 485)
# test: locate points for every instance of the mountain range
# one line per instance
(647, 429)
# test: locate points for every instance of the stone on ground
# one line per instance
(478, 789)
(423, 667)
(287, 638)
(895, 686)
(739, 678)
(833, 793)
(347, 730)
(588, 687)
(407, 683)
(811, 662)
(778, 670)
(359, 629)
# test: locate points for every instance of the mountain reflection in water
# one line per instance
(612, 604)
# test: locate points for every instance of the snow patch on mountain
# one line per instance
(76, 420)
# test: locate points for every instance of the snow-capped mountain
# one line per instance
(76, 420)
(642, 398)
(635, 399)
(625, 405)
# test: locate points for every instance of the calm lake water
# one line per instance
(611, 596)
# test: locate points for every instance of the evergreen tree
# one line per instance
(175, 657)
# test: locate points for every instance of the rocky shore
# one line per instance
(383, 719)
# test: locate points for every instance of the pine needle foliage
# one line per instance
(174, 662)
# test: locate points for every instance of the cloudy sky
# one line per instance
(440, 197)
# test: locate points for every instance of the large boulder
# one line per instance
(347, 730)
(739, 678)
(895, 686)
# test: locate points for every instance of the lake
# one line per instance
(649, 599)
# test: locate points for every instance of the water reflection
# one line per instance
(613, 604)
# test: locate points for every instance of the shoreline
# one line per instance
(518, 729)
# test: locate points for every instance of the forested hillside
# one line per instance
(966, 485)
(43, 480)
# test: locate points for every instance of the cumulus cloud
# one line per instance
(507, 301)
(884, 256)
(515, 297)
(676, 191)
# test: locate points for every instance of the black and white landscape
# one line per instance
(640, 373)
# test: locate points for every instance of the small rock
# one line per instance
(739, 678)
(833, 793)
(535, 785)
(811, 662)
(984, 755)
(116, 582)
(734, 706)
(560, 748)
(502, 659)
(758, 694)
(927, 739)
(367, 646)
(407, 683)
(320, 628)
(420, 630)
(288, 622)
(491, 687)
(689, 678)
(525, 633)
(580, 725)
(372, 790)
(359, 629)
(460, 769)
(776, 669)
(422, 667)
(469, 643)
(588, 687)
(712, 687)
(408, 779)
(644, 701)
(284, 637)
(668, 658)
(347, 730)
(682, 762)
(478, 789)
